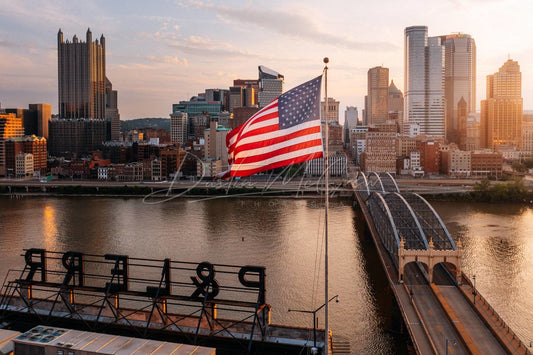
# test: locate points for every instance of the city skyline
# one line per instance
(168, 52)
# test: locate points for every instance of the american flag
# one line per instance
(285, 132)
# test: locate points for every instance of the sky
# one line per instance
(161, 52)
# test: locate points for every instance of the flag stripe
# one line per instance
(285, 148)
(281, 133)
(273, 143)
(246, 172)
(282, 157)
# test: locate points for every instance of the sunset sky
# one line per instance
(161, 52)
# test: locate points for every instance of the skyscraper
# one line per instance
(111, 109)
(377, 102)
(395, 104)
(459, 83)
(501, 112)
(424, 81)
(270, 85)
(81, 77)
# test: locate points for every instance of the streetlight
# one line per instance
(336, 298)
(474, 278)
(453, 343)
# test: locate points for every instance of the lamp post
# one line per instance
(474, 278)
(336, 298)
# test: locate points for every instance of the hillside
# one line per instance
(157, 123)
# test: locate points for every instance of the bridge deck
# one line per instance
(440, 316)
(412, 318)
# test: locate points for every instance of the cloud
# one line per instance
(169, 60)
(290, 24)
(202, 46)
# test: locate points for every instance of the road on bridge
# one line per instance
(474, 329)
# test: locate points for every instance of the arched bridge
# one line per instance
(409, 228)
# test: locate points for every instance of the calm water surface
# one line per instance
(285, 236)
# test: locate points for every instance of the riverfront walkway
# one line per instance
(423, 266)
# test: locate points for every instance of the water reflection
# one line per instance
(498, 249)
(49, 227)
(284, 235)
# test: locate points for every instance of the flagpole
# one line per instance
(326, 171)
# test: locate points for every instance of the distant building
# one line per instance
(380, 154)
(171, 158)
(24, 164)
(333, 110)
(215, 143)
(270, 85)
(424, 81)
(10, 126)
(358, 142)
(337, 165)
(351, 117)
(350, 122)
(473, 127)
(81, 77)
(111, 110)
(377, 101)
(178, 127)
(459, 83)
(250, 90)
(156, 170)
(76, 136)
(198, 106)
(527, 133)
(241, 115)
(501, 112)
(429, 156)
(486, 163)
(28, 144)
(236, 97)
(456, 163)
(224, 119)
(209, 167)
(395, 104)
(34, 119)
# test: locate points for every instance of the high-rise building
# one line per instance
(178, 127)
(270, 85)
(459, 83)
(111, 110)
(377, 102)
(502, 111)
(10, 126)
(81, 77)
(34, 119)
(250, 88)
(395, 104)
(424, 81)
(351, 117)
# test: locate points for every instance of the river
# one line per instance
(285, 236)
